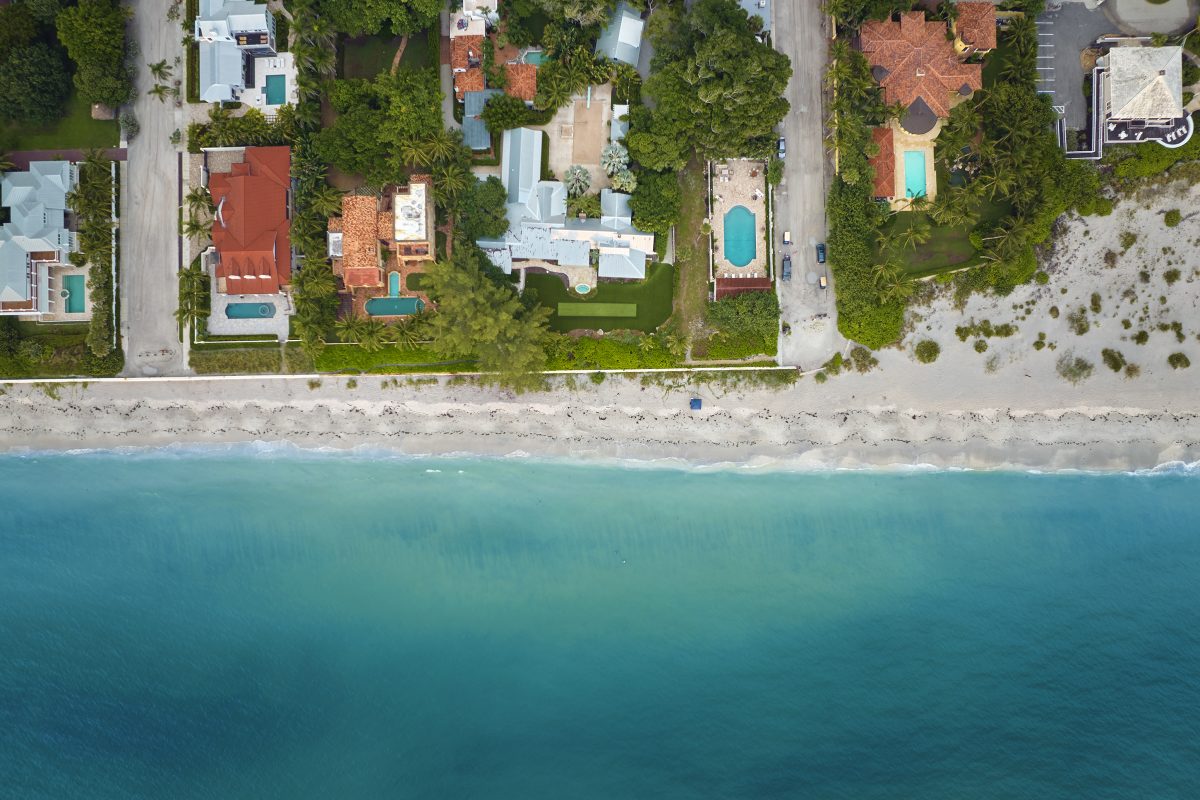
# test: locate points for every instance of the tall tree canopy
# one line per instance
(656, 201)
(33, 84)
(718, 90)
(484, 319)
(358, 17)
(17, 28)
(580, 12)
(378, 122)
(482, 210)
(94, 34)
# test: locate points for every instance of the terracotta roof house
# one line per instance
(975, 27)
(375, 234)
(466, 58)
(251, 225)
(884, 163)
(918, 67)
(522, 81)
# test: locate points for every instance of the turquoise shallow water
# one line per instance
(245, 627)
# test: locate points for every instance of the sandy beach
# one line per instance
(1005, 407)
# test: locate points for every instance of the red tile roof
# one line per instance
(884, 163)
(465, 52)
(469, 81)
(251, 229)
(918, 62)
(728, 287)
(976, 25)
(361, 241)
(522, 80)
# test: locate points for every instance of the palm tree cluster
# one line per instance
(197, 222)
(373, 335)
(577, 179)
(571, 66)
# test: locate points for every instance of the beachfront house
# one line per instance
(251, 250)
(378, 243)
(541, 235)
(36, 277)
(1143, 86)
(239, 59)
(621, 39)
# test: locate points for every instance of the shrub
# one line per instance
(927, 351)
(1113, 359)
(1079, 322)
(1053, 312)
(981, 345)
(1141, 337)
(1103, 207)
(834, 365)
(1178, 361)
(1172, 217)
(1039, 344)
(1095, 302)
(820, 377)
(1041, 278)
(1110, 258)
(863, 360)
(1170, 276)
(1128, 238)
(1074, 369)
(597, 378)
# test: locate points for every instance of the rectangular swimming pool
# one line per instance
(250, 310)
(740, 240)
(276, 90)
(394, 306)
(914, 173)
(75, 287)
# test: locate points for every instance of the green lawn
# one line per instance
(597, 309)
(76, 131)
(652, 297)
(367, 56)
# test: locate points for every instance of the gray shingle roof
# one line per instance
(37, 202)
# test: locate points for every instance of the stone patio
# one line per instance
(221, 325)
(58, 303)
(903, 141)
(578, 132)
(739, 182)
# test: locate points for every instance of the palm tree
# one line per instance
(442, 145)
(193, 227)
(161, 91)
(996, 181)
(351, 329)
(315, 281)
(325, 200)
(416, 152)
(954, 208)
(161, 70)
(406, 335)
(901, 289)
(449, 181)
(199, 201)
(577, 179)
(647, 343)
(374, 335)
(916, 232)
(614, 158)
(193, 283)
(6, 162)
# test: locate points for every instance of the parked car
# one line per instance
(787, 268)
(782, 147)
(787, 237)
(824, 282)
(821, 253)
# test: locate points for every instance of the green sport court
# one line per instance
(597, 309)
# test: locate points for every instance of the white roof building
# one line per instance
(36, 234)
(538, 226)
(621, 39)
(227, 32)
(1144, 83)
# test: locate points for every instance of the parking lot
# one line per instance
(1063, 35)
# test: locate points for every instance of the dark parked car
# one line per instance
(821, 253)
(787, 268)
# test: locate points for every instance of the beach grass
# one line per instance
(597, 309)
(387, 360)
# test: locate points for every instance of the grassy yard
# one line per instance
(76, 131)
(367, 56)
(651, 296)
(68, 354)
(691, 251)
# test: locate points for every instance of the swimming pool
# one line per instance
(740, 245)
(250, 310)
(914, 173)
(394, 306)
(535, 57)
(276, 90)
(393, 284)
(74, 286)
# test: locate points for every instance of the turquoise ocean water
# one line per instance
(234, 626)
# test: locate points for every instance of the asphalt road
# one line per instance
(801, 33)
(149, 199)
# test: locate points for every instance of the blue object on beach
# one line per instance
(696, 404)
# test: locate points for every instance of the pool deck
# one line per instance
(256, 96)
(739, 182)
(905, 142)
(276, 326)
(58, 304)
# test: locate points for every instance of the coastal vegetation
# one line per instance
(91, 203)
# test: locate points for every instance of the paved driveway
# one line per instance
(801, 34)
(149, 199)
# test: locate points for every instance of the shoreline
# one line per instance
(801, 428)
